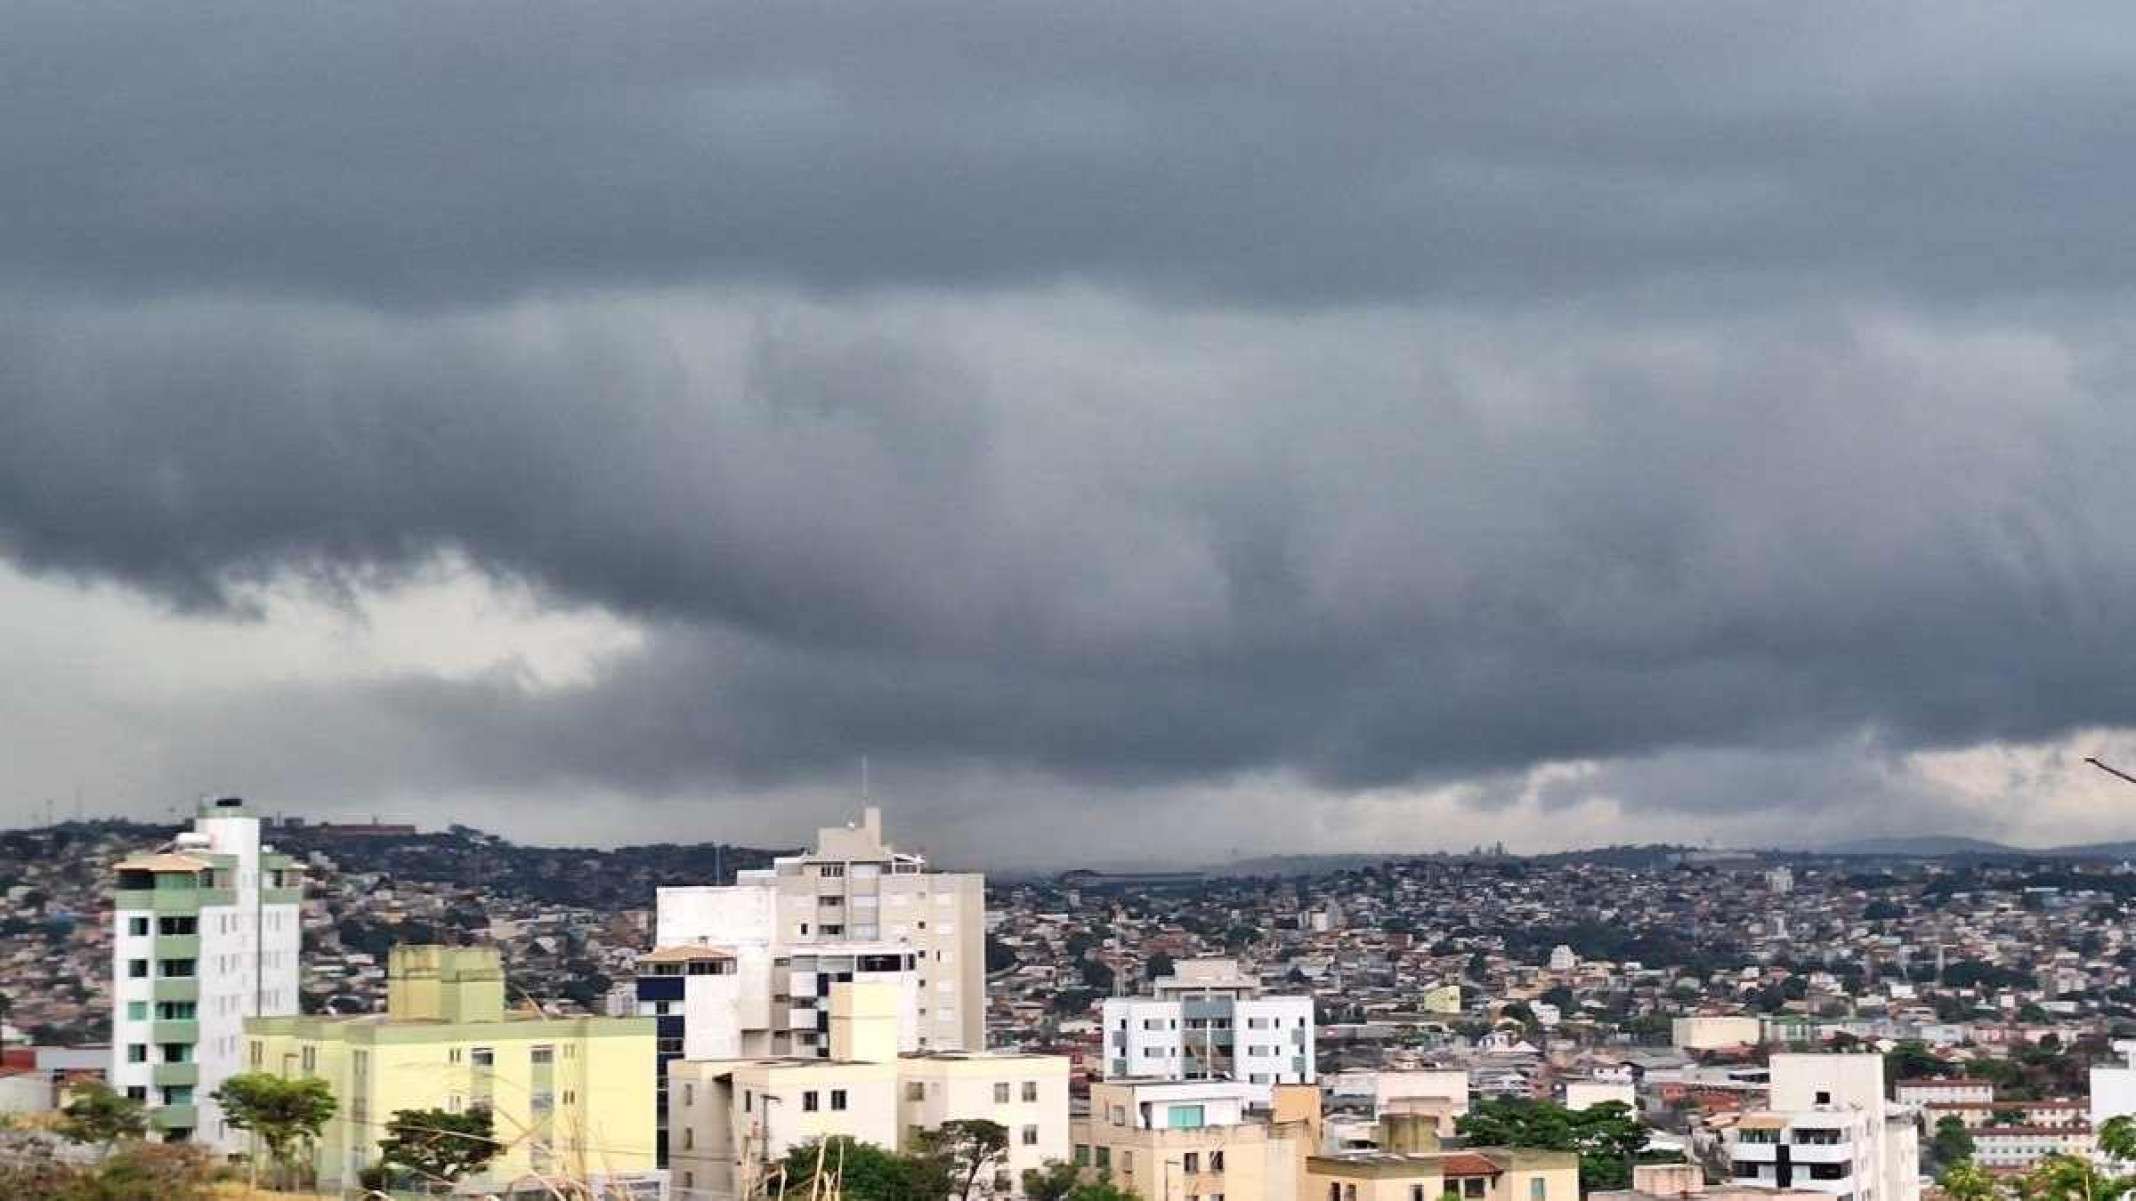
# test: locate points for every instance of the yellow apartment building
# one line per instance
(570, 1096)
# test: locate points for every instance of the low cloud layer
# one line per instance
(1688, 412)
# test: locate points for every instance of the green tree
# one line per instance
(99, 1115)
(2117, 1138)
(1607, 1137)
(1952, 1143)
(1965, 1180)
(2006, 1115)
(1160, 964)
(2067, 1178)
(865, 1171)
(438, 1146)
(285, 1112)
(1912, 1061)
(1059, 1181)
(967, 1148)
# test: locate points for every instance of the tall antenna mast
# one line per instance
(864, 779)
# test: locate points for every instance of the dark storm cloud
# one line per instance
(1110, 393)
(1059, 536)
(1299, 153)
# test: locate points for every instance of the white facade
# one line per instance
(1586, 1094)
(1206, 1022)
(845, 911)
(1831, 1131)
(205, 934)
(2113, 1088)
(726, 1118)
(1945, 1092)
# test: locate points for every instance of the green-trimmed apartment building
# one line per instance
(204, 935)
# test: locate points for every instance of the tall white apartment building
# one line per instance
(746, 969)
(204, 935)
(1209, 1021)
(1831, 1131)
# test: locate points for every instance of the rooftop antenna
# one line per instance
(863, 779)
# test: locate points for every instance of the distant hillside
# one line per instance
(1300, 865)
(1937, 846)
(1927, 846)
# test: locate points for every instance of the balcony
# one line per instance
(171, 900)
(174, 1117)
(176, 988)
(164, 1075)
(1748, 1152)
(176, 1031)
(1821, 1152)
(177, 946)
(281, 896)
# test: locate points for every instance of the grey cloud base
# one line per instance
(1082, 537)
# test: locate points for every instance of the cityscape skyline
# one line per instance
(1568, 431)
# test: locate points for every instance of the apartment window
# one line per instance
(542, 1054)
(689, 1137)
(137, 969)
(1190, 1163)
(1104, 1156)
(809, 1101)
(175, 1011)
(1538, 1189)
(689, 1094)
(838, 1099)
(916, 1090)
(136, 1011)
(1349, 1192)
(175, 969)
(454, 1102)
(831, 871)
(1030, 1136)
(832, 930)
(177, 925)
(1119, 1115)
(1823, 1097)
(1216, 1161)
(689, 1182)
(483, 1057)
(137, 1052)
(1416, 1193)
(1474, 1187)
(1001, 1093)
(748, 1101)
(137, 926)
(259, 1053)
(310, 1059)
(137, 1092)
(455, 1055)
(1030, 1090)
(1082, 1155)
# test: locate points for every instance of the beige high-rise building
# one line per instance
(746, 969)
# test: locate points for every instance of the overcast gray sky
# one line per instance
(1139, 430)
